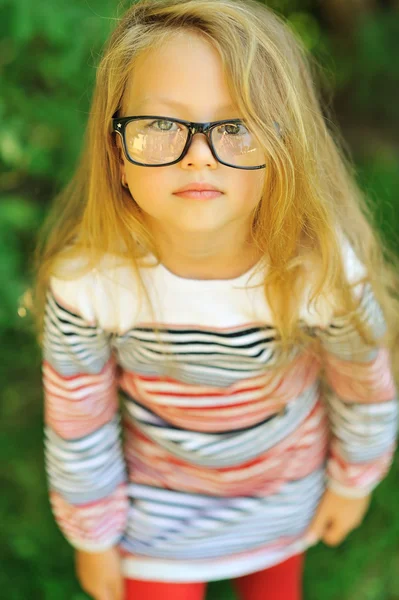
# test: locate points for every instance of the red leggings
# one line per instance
(282, 581)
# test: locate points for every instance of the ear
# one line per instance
(119, 147)
(120, 153)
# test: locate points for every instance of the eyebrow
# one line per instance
(177, 104)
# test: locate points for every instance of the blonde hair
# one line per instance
(310, 193)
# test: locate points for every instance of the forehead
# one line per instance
(185, 75)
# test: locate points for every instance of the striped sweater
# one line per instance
(215, 472)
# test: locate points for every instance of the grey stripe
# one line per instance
(87, 469)
(365, 431)
(232, 449)
(343, 340)
(73, 347)
(201, 535)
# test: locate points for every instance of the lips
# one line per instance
(198, 187)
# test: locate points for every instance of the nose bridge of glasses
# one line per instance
(203, 128)
(199, 128)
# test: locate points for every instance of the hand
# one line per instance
(100, 574)
(336, 517)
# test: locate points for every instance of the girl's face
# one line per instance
(185, 80)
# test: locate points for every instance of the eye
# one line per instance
(233, 129)
(165, 125)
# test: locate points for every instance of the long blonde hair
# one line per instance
(310, 193)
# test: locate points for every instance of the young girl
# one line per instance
(247, 408)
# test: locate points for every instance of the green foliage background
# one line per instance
(48, 56)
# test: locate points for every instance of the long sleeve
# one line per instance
(361, 397)
(84, 461)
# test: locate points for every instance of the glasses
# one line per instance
(157, 141)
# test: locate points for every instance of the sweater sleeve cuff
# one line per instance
(348, 491)
(93, 547)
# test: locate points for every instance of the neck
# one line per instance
(205, 256)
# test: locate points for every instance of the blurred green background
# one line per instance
(48, 57)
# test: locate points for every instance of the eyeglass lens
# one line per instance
(161, 141)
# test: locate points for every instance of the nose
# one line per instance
(199, 152)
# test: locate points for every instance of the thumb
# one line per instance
(333, 534)
(317, 528)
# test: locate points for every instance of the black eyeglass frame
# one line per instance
(119, 126)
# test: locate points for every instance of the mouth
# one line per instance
(198, 186)
(199, 190)
(199, 194)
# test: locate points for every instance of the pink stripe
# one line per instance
(358, 474)
(296, 456)
(72, 416)
(273, 393)
(95, 521)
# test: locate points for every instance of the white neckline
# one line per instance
(206, 283)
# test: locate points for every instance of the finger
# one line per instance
(334, 535)
(311, 539)
(331, 540)
(317, 529)
(318, 523)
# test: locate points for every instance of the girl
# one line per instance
(215, 315)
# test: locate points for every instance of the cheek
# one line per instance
(248, 188)
(149, 185)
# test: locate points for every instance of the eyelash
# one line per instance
(167, 121)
